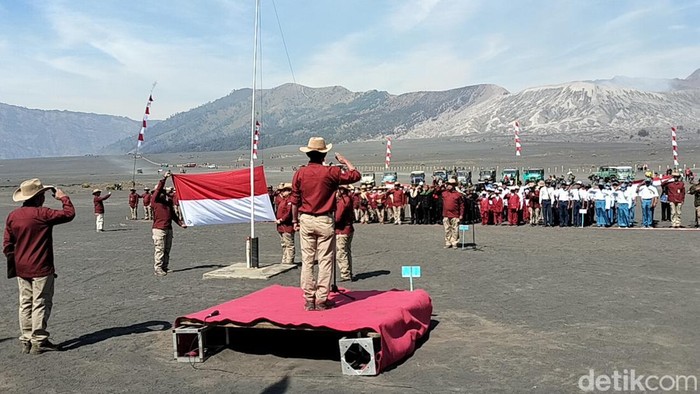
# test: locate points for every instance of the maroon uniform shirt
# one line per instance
(452, 205)
(134, 199)
(319, 184)
(514, 202)
(344, 216)
(676, 191)
(163, 211)
(29, 238)
(146, 199)
(284, 213)
(99, 205)
(398, 197)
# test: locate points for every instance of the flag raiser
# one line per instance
(223, 197)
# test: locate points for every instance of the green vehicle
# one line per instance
(513, 175)
(533, 175)
(615, 173)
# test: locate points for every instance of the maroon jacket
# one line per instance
(284, 214)
(163, 211)
(676, 191)
(147, 197)
(98, 201)
(314, 186)
(344, 215)
(452, 204)
(134, 199)
(28, 238)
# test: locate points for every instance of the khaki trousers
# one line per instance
(147, 213)
(451, 231)
(99, 222)
(35, 303)
(288, 249)
(162, 240)
(134, 213)
(343, 255)
(676, 214)
(397, 214)
(317, 247)
(379, 212)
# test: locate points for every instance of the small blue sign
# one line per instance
(463, 227)
(415, 271)
(406, 271)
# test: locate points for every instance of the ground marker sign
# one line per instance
(410, 271)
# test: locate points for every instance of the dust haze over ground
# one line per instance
(532, 309)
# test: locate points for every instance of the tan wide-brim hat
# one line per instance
(540, 183)
(317, 144)
(29, 189)
(96, 191)
(284, 186)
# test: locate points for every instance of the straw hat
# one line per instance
(317, 144)
(96, 191)
(29, 189)
(285, 186)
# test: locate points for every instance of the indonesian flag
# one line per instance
(223, 197)
(656, 181)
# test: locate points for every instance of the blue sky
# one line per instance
(103, 55)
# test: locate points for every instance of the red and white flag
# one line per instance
(145, 120)
(388, 153)
(674, 144)
(223, 197)
(256, 138)
(518, 147)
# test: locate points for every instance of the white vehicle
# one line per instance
(368, 179)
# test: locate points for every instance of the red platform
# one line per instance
(400, 317)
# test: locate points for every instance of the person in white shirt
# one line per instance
(632, 191)
(609, 204)
(575, 197)
(546, 194)
(650, 197)
(598, 196)
(562, 197)
(623, 206)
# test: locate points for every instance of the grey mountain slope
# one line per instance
(572, 110)
(35, 133)
(292, 113)
(593, 111)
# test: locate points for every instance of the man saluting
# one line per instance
(313, 207)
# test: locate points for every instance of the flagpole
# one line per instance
(251, 244)
(138, 141)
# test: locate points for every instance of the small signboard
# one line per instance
(463, 227)
(410, 272)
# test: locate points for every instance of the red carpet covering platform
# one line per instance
(400, 317)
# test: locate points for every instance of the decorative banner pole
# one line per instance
(388, 153)
(141, 133)
(674, 144)
(516, 129)
(252, 241)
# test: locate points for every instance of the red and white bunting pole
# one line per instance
(256, 138)
(674, 144)
(388, 153)
(145, 120)
(518, 147)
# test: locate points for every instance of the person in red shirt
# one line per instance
(676, 197)
(134, 203)
(452, 212)
(497, 209)
(355, 196)
(313, 205)
(147, 197)
(285, 226)
(98, 201)
(397, 200)
(162, 230)
(344, 232)
(513, 207)
(28, 246)
(484, 209)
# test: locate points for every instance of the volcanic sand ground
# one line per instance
(532, 309)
